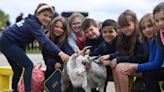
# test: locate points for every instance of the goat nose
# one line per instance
(78, 73)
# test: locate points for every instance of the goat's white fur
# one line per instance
(95, 77)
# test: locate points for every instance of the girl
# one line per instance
(128, 47)
(58, 34)
(158, 14)
(16, 37)
(155, 61)
(76, 37)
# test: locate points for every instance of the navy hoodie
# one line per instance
(26, 31)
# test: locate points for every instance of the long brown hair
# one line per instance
(126, 44)
(58, 40)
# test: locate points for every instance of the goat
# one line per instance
(84, 71)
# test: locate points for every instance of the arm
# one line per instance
(140, 54)
(131, 59)
(153, 63)
(72, 41)
(99, 50)
(48, 45)
(45, 43)
(66, 48)
(114, 55)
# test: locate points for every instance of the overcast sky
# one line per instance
(97, 9)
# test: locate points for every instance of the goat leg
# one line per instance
(87, 89)
(101, 88)
(65, 81)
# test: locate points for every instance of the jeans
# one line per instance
(18, 59)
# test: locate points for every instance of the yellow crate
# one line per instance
(5, 74)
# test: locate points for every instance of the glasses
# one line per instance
(77, 23)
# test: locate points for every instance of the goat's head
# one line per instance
(82, 61)
(76, 65)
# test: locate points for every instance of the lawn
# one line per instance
(34, 51)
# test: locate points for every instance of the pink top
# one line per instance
(162, 37)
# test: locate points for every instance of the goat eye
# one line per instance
(83, 63)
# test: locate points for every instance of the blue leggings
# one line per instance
(18, 59)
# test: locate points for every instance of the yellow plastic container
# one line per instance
(5, 74)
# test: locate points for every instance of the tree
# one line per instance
(3, 17)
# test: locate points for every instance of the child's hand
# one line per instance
(64, 56)
(113, 63)
(104, 57)
(130, 69)
(106, 62)
(57, 65)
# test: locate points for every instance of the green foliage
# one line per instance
(3, 18)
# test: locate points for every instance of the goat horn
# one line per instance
(93, 57)
(82, 52)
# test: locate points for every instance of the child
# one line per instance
(109, 33)
(158, 14)
(158, 17)
(128, 47)
(15, 38)
(92, 33)
(76, 37)
(58, 34)
(149, 68)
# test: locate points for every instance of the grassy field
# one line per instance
(34, 51)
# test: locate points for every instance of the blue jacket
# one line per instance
(26, 31)
(51, 60)
(156, 57)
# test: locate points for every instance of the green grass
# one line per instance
(33, 51)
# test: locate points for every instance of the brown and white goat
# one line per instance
(84, 71)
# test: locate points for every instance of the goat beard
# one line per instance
(87, 66)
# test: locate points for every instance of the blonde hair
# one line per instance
(73, 16)
(149, 17)
(59, 41)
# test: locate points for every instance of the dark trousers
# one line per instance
(17, 59)
(50, 69)
(152, 79)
